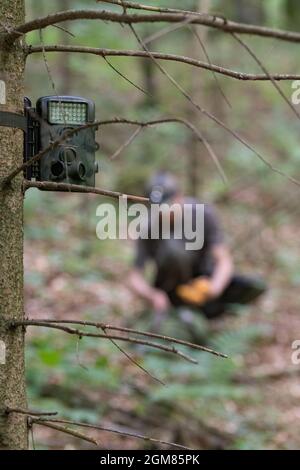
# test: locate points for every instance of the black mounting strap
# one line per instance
(9, 119)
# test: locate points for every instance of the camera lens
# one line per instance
(77, 171)
(67, 155)
(81, 171)
(57, 169)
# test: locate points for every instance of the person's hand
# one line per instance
(160, 301)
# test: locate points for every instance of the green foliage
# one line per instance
(71, 362)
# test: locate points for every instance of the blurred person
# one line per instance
(203, 278)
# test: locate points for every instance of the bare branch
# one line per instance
(30, 412)
(136, 332)
(127, 143)
(115, 431)
(215, 22)
(128, 339)
(76, 188)
(64, 429)
(103, 52)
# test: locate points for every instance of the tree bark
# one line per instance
(249, 11)
(195, 150)
(64, 61)
(13, 427)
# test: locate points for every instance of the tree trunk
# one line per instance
(63, 60)
(13, 428)
(195, 150)
(249, 11)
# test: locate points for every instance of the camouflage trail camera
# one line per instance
(73, 161)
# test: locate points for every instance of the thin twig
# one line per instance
(115, 431)
(197, 36)
(133, 361)
(78, 354)
(65, 430)
(47, 64)
(124, 77)
(65, 30)
(264, 69)
(104, 52)
(128, 339)
(207, 20)
(76, 188)
(136, 332)
(137, 6)
(167, 30)
(126, 143)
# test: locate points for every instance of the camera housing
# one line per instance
(72, 161)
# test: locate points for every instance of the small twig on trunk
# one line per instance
(64, 429)
(115, 431)
(132, 331)
(76, 188)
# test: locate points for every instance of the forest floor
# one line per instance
(251, 403)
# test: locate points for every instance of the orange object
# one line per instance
(196, 292)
